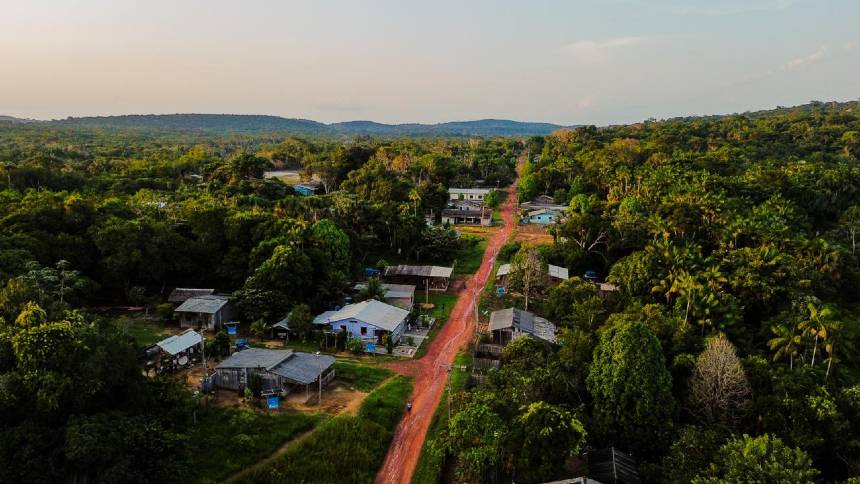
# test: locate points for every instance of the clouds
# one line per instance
(594, 51)
(813, 58)
(724, 8)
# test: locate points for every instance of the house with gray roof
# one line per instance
(556, 274)
(434, 278)
(205, 312)
(369, 320)
(181, 294)
(279, 371)
(400, 295)
(510, 324)
(468, 193)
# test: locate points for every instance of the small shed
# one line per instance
(278, 370)
(205, 312)
(400, 295)
(434, 278)
(510, 324)
(306, 189)
(182, 294)
(177, 350)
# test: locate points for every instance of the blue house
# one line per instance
(369, 320)
(305, 189)
(541, 216)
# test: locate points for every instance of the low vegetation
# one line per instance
(363, 378)
(226, 440)
(346, 448)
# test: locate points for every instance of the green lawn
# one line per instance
(469, 259)
(432, 458)
(361, 377)
(345, 448)
(228, 439)
(145, 332)
(442, 305)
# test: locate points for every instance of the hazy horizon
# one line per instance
(391, 62)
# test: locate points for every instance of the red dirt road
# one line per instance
(430, 372)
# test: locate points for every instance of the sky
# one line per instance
(567, 62)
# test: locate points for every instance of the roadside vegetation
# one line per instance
(345, 448)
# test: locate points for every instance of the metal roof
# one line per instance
(180, 342)
(255, 358)
(542, 211)
(298, 367)
(324, 317)
(181, 294)
(203, 304)
(303, 368)
(420, 271)
(558, 272)
(524, 321)
(392, 290)
(473, 191)
(373, 312)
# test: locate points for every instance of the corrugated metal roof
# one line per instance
(392, 290)
(542, 211)
(420, 271)
(324, 317)
(180, 342)
(470, 191)
(373, 312)
(255, 358)
(181, 294)
(303, 368)
(298, 367)
(524, 321)
(203, 304)
(504, 270)
(558, 272)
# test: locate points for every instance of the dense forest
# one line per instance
(93, 218)
(727, 355)
(729, 352)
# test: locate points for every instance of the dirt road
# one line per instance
(430, 372)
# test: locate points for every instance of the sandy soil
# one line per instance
(430, 372)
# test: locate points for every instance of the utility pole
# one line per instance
(319, 377)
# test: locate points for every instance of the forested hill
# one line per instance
(234, 123)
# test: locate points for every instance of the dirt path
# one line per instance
(351, 408)
(430, 372)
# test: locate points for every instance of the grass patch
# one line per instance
(429, 467)
(229, 439)
(361, 377)
(442, 306)
(344, 449)
(144, 331)
(469, 258)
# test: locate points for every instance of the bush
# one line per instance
(355, 345)
(164, 311)
(507, 251)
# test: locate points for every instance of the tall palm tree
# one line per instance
(817, 325)
(787, 341)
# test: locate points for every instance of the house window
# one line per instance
(364, 330)
(343, 327)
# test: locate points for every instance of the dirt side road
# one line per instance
(430, 372)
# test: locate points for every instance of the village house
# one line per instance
(279, 371)
(175, 351)
(205, 312)
(368, 320)
(541, 216)
(182, 294)
(400, 295)
(468, 193)
(467, 212)
(556, 274)
(542, 201)
(510, 324)
(433, 278)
